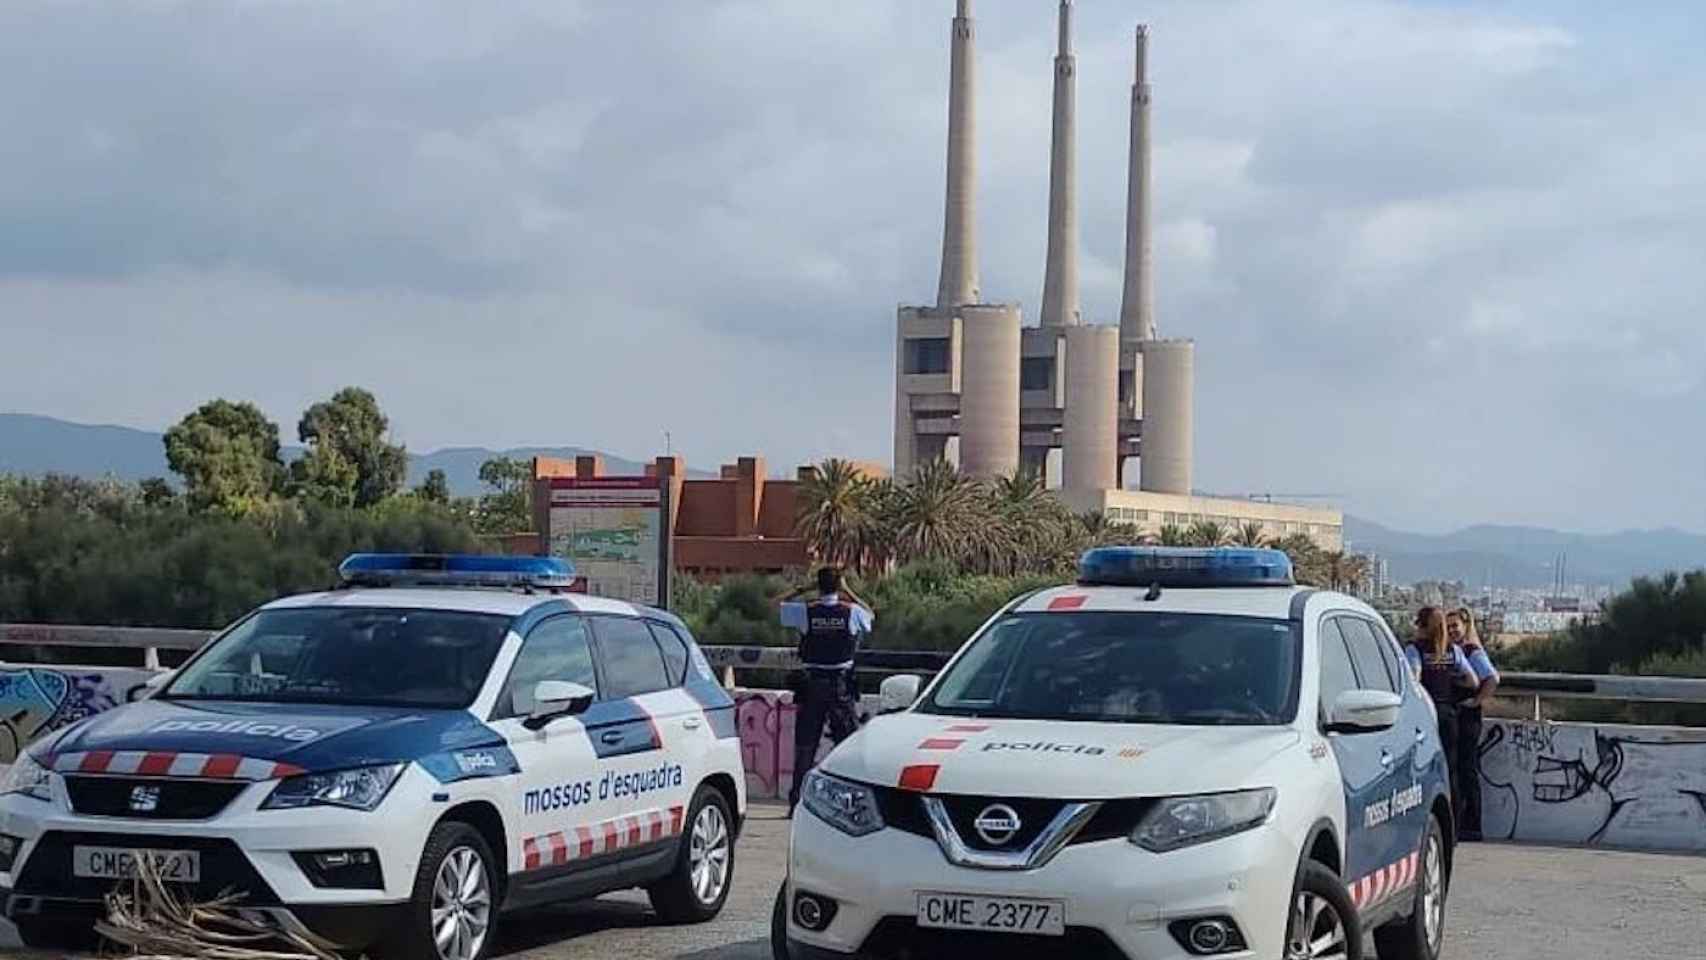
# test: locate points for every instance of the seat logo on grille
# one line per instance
(144, 799)
(997, 824)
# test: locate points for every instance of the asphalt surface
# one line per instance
(1507, 903)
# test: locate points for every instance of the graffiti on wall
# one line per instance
(1585, 784)
(766, 724)
(39, 700)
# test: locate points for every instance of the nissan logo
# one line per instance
(997, 824)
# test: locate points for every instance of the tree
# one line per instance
(435, 488)
(1207, 533)
(1173, 535)
(935, 515)
(227, 454)
(508, 507)
(834, 507)
(349, 459)
(1251, 533)
(156, 492)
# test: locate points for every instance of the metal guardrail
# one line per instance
(1539, 686)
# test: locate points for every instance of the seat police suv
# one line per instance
(391, 764)
(1182, 755)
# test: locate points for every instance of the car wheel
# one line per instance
(697, 888)
(1322, 923)
(51, 933)
(1420, 935)
(779, 925)
(452, 913)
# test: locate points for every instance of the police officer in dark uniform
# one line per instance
(1444, 671)
(830, 627)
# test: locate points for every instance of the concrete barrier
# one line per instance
(35, 700)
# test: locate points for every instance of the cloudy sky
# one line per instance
(1443, 260)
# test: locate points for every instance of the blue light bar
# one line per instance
(1185, 567)
(455, 570)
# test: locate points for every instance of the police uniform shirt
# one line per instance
(798, 616)
(1460, 662)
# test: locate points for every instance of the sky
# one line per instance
(1442, 261)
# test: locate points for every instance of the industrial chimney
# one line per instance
(959, 284)
(1137, 308)
(1060, 280)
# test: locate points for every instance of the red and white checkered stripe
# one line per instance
(153, 763)
(1384, 883)
(593, 840)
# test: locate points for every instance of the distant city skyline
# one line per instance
(1438, 257)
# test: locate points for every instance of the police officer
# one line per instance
(1444, 671)
(830, 627)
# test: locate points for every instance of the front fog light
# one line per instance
(813, 912)
(1208, 936)
(341, 869)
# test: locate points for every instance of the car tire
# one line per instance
(54, 933)
(459, 856)
(698, 886)
(1321, 904)
(1421, 935)
(779, 925)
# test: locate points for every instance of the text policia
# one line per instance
(611, 786)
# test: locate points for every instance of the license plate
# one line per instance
(954, 911)
(119, 863)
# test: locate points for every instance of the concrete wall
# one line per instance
(36, 700)
(1591, 785)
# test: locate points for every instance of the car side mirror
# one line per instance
(1364, 711)
(558, 698)
(898, 693)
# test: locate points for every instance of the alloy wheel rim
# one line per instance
(461, 905)
(1316, 931)
(708, 854)
(1433, 895)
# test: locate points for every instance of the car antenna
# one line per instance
(1154, 593)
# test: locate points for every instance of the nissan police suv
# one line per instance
(1182, 755)
(392, 764)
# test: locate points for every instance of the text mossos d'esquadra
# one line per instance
(611, 786)
(1400, 803)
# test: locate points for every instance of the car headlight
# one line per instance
(848, 807)
(1185, 821)
(359, 789)
(27, 777)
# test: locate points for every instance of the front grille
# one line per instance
(901, 938)
(903, 811)
(175, 800)
(224, 868)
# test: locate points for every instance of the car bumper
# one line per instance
(1120, 899)
(242, 850)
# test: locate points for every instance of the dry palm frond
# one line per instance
(158, 924)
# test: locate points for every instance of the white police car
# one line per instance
(1182, 755)
(391, 764)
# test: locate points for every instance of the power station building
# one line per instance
(974, 383)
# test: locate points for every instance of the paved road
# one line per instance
(1509, 903)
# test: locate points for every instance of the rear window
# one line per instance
(1118, 667)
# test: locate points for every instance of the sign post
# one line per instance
(615, 530)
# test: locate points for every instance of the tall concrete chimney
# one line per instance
(1137, 309)
(1060, 280)
(959, 283)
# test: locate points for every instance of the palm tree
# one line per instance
(1207, 533)
(1173, 535)
(1307, 560)
(1344, 571)
(1251, 533)
(834, 506)
(1027, 518)
(935, 515)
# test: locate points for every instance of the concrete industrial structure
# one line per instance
(972, 381)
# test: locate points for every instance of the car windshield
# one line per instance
(1110, 667)
(343, 655)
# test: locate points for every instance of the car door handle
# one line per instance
(611, 736)
(691, 723)
(1385, 759)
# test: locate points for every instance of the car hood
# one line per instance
(1084, 761)
(295, 737)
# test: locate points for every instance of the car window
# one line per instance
(632, 663)
(1337, 675)
(557, 649)
(674, 652)
(1372, 670)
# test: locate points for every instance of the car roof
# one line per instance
(512, 603)
(1271, 602)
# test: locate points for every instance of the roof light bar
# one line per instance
(455, 570)
(1182, 567)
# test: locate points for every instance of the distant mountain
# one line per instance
(1523, 556)
(36, 445)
